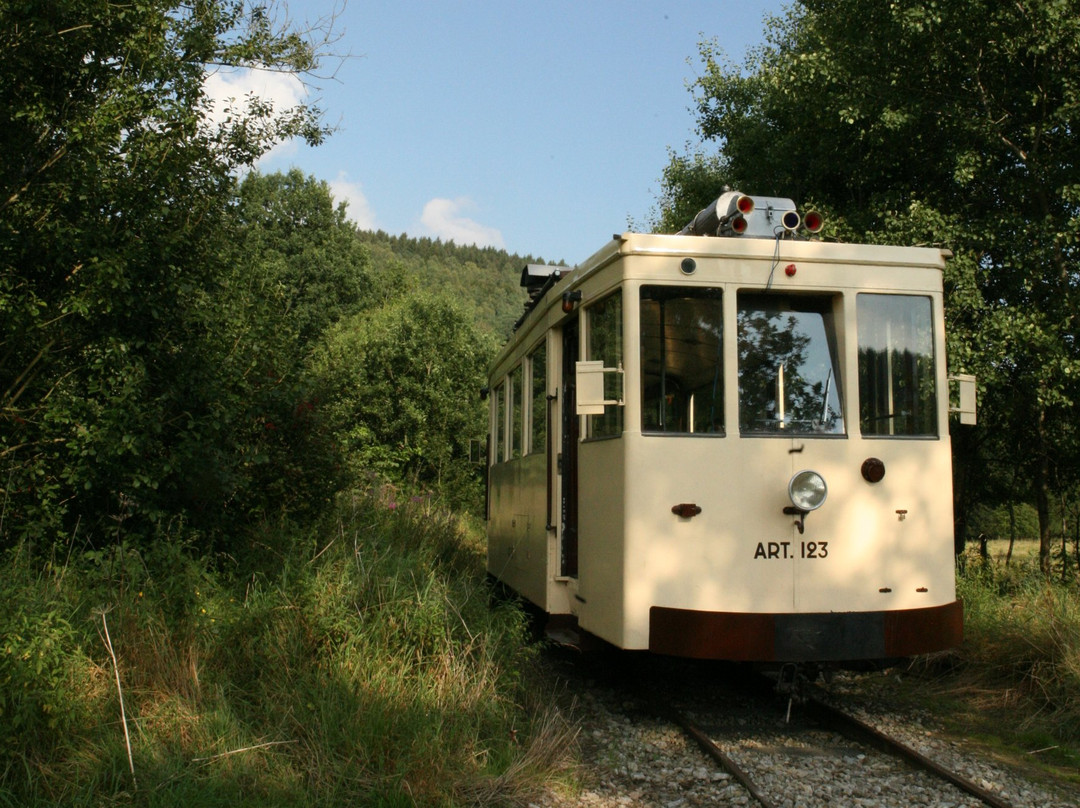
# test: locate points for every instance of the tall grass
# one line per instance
(360, 664)
(1022, 639)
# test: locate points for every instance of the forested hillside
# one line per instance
(484, 280)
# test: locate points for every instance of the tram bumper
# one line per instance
(817, 637)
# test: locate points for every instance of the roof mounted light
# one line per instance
(736, 214)
(734, 224)
(813, 221)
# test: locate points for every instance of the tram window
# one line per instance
(682, 379)
(517, 422)
(538, 414)
(897, 395)
(789, 381)
(499, 404)
(604, 342)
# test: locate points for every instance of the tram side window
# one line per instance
(538, 414)
(788, 365)
(604, 342)
(897, 395)
(499, 405)
(517, 421)
(682, 372)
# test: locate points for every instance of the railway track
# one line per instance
(650, 726)
(818, 726)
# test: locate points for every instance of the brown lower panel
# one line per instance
(921, 631)
(821, 637)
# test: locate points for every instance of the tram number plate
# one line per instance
(787, 549)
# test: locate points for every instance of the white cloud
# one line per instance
(442, 218)
(359, 209)
(227, 87)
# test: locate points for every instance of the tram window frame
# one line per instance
(498, 405)
(516, 408)
(538, 426)
(807, 392)
(682, 404)
(907, 366)
(604, 342)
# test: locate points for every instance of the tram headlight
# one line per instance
(807, 490)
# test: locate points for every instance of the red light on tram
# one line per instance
(790, 270)
(813, 221)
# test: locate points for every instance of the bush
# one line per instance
(48, 684)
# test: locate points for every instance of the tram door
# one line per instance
(568, 455)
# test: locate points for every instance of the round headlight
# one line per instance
(807, 490)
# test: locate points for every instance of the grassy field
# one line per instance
(360, 665)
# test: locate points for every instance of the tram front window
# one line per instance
(789, 380)
(682, 360)
(896, 366)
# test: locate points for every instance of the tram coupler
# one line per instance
(793, 682)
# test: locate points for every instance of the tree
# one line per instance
(941, 122)
(402, 386)
(112, 190)
(302, 250)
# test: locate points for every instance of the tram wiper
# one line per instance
(825, 399)
(781, 414)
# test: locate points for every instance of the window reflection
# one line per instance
(499, 399)
(516, 413)
(538, 415)
(789, 379)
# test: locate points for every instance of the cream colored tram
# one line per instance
(733, 446)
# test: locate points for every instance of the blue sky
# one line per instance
(538, 127)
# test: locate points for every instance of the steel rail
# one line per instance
(716, 753)
(859, 731)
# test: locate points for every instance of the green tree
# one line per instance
(112, 191)
(941, 122)
(304, 251)
(402, 386)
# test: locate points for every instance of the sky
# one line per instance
(541, 128)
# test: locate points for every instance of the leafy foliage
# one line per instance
(301, 251)
(403, 388)
(111, 252)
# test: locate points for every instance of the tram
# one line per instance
(731, 443)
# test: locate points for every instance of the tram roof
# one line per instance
(544, 280)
